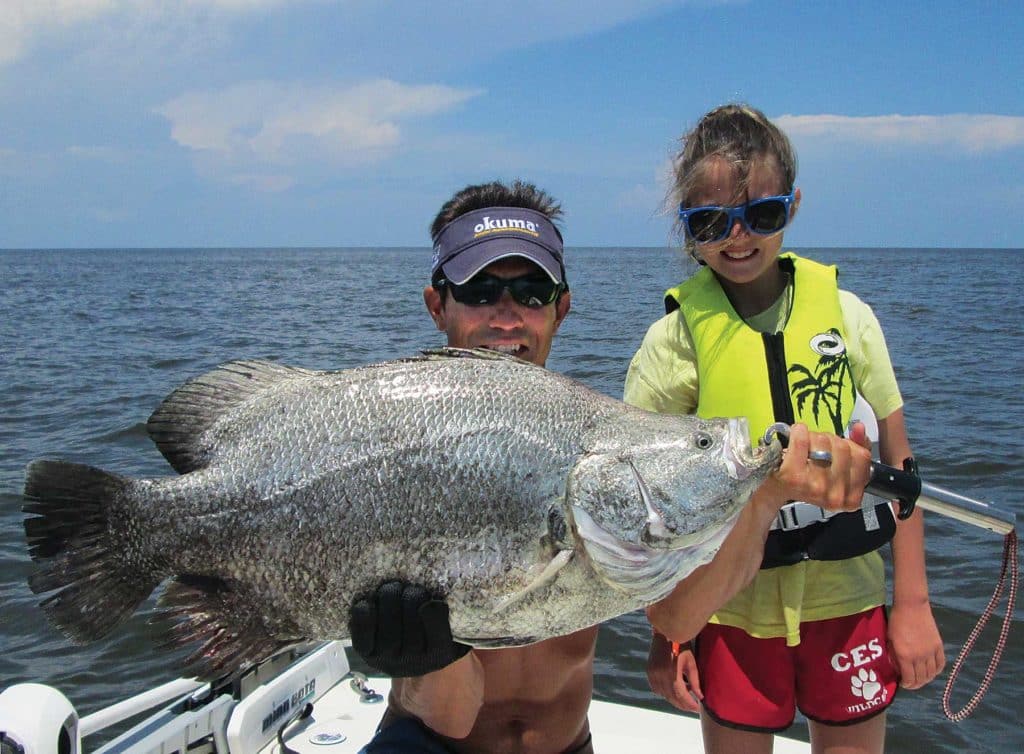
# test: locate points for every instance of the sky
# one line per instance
(270, 123)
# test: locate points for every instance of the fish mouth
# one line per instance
(743, 459)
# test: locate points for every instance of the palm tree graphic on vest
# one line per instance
(829, 384)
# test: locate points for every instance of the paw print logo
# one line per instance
(865, 684)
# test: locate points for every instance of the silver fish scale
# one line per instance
(360, 468)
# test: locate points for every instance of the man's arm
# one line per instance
(836, 486)
(448, 700)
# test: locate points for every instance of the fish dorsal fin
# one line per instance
(447, 352)
(178, 424)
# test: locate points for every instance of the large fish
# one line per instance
(534, 505)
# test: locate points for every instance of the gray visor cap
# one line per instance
(472, 241)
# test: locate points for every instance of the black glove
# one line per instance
(403, 631)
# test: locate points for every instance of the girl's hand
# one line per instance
(835, 485)
(915, 644)
(674, 677)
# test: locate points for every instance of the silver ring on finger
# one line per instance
(820, 455)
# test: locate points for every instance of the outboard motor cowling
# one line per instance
(37, 719)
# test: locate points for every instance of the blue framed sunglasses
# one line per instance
(762, 217)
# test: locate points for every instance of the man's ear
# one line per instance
(435, 306)
(562, 306)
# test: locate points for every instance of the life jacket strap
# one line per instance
(807, 532)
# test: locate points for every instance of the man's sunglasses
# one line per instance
(532, 290)
(761, 217)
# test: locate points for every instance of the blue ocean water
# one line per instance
(92, 340)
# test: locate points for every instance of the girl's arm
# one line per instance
(913, 634)
(672, 673)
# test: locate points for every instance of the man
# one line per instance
(498, 281)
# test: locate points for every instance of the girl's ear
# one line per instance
(796, 204)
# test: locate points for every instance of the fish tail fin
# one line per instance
(69, 539)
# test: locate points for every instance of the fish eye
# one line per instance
(703, 440)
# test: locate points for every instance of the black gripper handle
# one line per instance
(902, 485)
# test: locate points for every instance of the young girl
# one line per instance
(771, 337)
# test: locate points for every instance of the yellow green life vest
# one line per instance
(801, 374)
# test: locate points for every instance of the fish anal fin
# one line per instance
(547, 575)
(179, 423)
(220, 617)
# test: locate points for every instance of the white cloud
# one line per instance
(273, 124)
(972, 133)
(449, 27)
(23, 21)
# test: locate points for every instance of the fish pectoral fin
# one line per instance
(226, 622)
(544, 578)
(656, 529)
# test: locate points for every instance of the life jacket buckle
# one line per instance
(798, 515)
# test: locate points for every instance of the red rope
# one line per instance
(1009, 563)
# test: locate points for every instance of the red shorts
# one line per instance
(839, 674)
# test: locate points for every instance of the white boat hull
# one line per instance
(316, 705)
